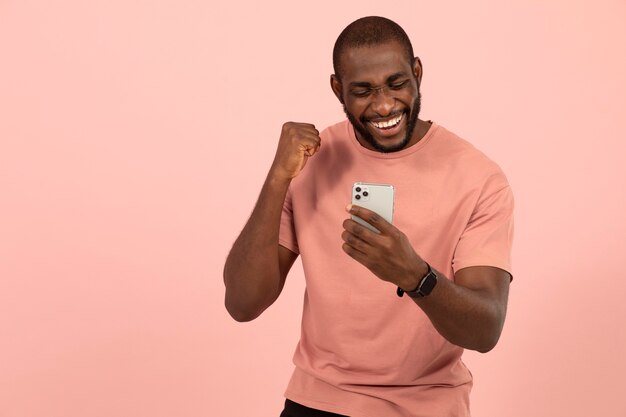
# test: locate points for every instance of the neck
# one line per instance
(421, 128)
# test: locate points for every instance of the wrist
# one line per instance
(414, 277)
(424, 286)
(278, 176)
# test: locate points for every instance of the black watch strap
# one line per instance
(425, 286)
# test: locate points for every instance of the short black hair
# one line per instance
(369, 31)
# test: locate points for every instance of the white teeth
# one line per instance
(388, 123)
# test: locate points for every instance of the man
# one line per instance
(364, 351)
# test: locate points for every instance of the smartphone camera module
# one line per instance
(378, 198)
(361, 193)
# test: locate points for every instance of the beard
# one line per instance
(359, 126)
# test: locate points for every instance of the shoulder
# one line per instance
(458, 153)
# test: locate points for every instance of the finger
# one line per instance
(310, 126)
(297, 131)
(361, 257)
(371, 217)
(313, 136)
(309, 146)
(312, 130)
(360, 231)
(356, 242)
(307, 129)
(355, 253)
(312, 151)
(299, 125)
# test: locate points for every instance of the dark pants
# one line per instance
(296, 410)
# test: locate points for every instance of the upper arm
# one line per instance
(489, 281)
(286, 258)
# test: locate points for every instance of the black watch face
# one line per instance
(428, 284)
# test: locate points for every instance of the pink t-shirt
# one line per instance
(363, 351)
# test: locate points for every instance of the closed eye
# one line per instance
(362, 92)
(398, 85)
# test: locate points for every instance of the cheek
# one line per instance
(408, 103)
(356, 110)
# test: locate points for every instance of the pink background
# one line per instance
(134, 140)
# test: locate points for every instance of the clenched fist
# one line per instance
(298, 142)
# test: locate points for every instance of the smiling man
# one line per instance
(366, 350)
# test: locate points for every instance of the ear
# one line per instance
(335, 85)
(418, 70)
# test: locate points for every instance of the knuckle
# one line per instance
(353, 242)
(291, 130)
(387, 244)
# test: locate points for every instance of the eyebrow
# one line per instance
(390, 79)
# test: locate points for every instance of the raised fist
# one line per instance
(298, 142)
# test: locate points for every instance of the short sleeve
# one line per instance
(287, 233)
(488, 237)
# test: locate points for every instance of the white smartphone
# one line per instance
(376, 197)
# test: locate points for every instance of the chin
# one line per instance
(389, 144)
(389, 148)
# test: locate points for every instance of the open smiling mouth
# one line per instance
(388, 124)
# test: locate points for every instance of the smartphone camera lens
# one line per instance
(357, 189)
(358, 196)
(365, 194)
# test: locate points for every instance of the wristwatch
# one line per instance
(425, 286)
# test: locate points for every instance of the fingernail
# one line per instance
(348, 208)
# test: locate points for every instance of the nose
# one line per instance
(382, 101)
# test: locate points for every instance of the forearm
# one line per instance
(470, 318)
(252, 273)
